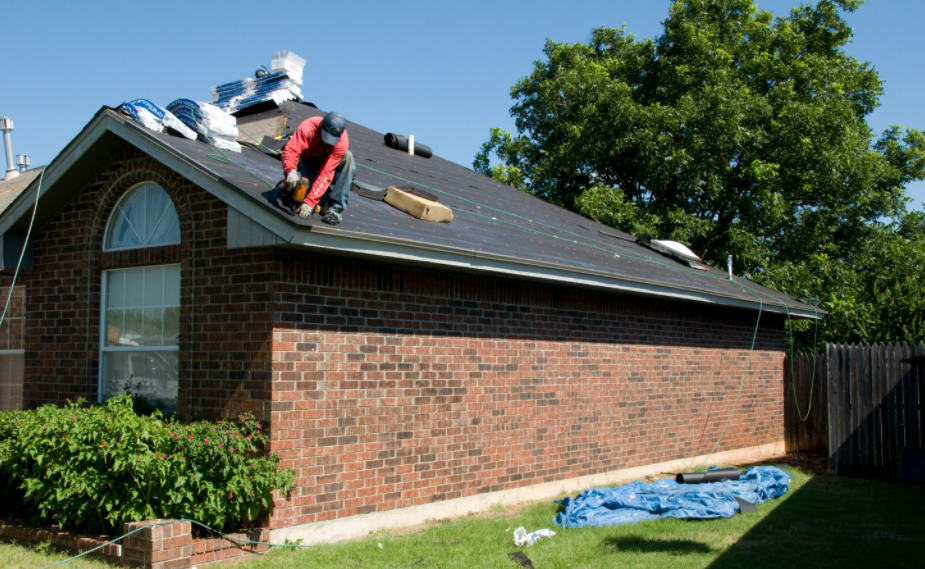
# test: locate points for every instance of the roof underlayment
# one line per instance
(497, 229)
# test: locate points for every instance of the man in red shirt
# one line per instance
(318, 151)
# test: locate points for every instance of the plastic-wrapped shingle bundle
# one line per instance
(155, 118)
(283, 83)
(211, 122)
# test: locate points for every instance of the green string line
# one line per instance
(257, 142)
(812, 380)
(224, 159)
(120, 538)
(25, 244)
(533, 230)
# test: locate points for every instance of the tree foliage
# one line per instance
(738, 133)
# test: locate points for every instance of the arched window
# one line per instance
(144, 217)
(140, 320)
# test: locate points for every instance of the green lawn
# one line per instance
(823, 521)
(16, 556)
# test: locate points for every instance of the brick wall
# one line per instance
(394, 387)
(225, 312)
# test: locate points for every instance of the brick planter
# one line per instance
(166, 546)
(76, 542)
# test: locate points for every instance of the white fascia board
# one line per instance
(344, 242)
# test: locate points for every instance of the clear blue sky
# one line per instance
(437, 70)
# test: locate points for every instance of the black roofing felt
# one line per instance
(489, 216)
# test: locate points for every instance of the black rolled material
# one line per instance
(418, 192)
(399, 142)
(715, 475)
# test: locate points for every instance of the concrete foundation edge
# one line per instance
(353, 527)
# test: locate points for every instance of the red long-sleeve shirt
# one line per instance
(306, 144)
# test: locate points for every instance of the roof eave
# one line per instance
(373, 246)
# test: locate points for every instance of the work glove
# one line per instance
(292, 178)
(306, 211)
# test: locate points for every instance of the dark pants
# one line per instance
(337, 194)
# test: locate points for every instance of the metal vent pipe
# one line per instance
(6, 125)
(23, 161)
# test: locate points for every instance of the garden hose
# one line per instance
(25, 244)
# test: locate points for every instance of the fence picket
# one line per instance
(844, 406)
(920, 353)
(820, 403)
(911, 399)
(876, 432)
(893, 414)
(854, 435)
(865, 459)
(831, 355)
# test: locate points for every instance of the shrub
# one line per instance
(97, 467)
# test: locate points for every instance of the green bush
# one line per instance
(95, 468)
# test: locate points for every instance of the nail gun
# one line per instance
(294, 196)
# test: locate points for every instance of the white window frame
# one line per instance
(117, 209)
(103, 332)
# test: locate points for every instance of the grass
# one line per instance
(823, 521)
(17, 556)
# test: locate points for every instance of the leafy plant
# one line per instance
(96, 468)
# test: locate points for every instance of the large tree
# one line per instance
(737, 133)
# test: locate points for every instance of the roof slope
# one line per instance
(507, 230)
(10, 189)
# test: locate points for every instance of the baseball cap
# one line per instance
(332, 126)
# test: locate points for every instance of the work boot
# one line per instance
(332, 217)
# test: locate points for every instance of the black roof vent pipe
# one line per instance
(399, 142)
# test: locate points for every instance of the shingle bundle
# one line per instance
(212, 123)
(155, 118)
(283, 83)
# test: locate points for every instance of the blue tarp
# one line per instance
(638, 501)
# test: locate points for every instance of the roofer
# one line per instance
(318, 151)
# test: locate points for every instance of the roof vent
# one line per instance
(673, 250)
(23, 162)
(6, 125)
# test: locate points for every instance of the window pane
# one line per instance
(150, 375)
(154, 287)
(114, 326)
(162, 223)
(154, 327)
(171, 325)
(115, 289)
(146, 217)
(172, 285)
(134, 288)
(133, 328)
(122, 232)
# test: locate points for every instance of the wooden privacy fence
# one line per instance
(811, 403)
(868, 403)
